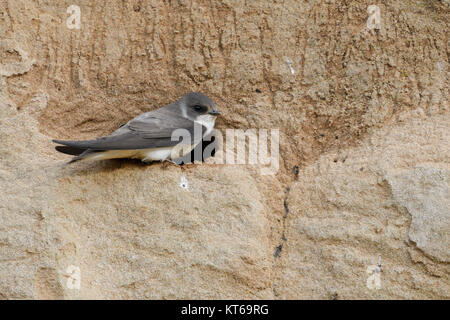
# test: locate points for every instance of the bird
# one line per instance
(151, 136)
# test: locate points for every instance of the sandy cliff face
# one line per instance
(359, 208)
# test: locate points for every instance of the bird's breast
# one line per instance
(165, 153)
(207, 121)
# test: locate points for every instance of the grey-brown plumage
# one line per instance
(149, 136)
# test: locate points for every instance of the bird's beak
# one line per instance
(214, 113)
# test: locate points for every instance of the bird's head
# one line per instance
(195, 104)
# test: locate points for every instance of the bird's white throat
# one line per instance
(207, 121)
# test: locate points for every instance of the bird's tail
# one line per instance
(70, 150)
(79, 153)
(87, 153)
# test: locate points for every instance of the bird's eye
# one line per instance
(199, 108)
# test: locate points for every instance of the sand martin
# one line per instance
(152, 136)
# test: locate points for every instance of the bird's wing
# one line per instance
(149, 130)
